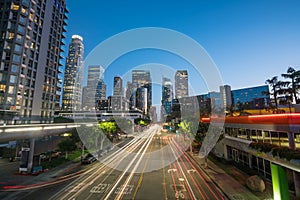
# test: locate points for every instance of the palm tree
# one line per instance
(294, 76)
(273, 82)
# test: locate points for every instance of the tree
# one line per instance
(274, 84)
(294, 83)
(108, 127)
(67, 145)
(188, 128)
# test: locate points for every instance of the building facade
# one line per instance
(181, 84)
(167, 95)
(117, 94)
(73, 78)
(142, 79)
(32, 34)
(89, 99)
(262, 143)
(225, 97)
(252, 97)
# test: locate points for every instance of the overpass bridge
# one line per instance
(29, 131)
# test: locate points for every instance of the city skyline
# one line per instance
(269, 35)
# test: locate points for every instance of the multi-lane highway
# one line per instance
(150, 166)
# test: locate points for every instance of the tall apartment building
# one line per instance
(89, 98)
(142, 79)
(181, 84)
(31, 40)
(73, 78)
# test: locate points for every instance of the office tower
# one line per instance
(181, 84)
(95, 74)
(142, 99)
(153, 114)
(167, 95)
(73, 78)
(225, 97)
(142, 79)
(117, 94)
(130, 95)
(118, 86)
(100, 96)
(31, 43)
(100, 90)
(251, 98)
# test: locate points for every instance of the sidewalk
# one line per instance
(232, 188)
(9, 173)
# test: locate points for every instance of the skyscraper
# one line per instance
(142, 79)
(117, 94)
(225, 97)
(167, 95)
(95, 74)
(72, 92)
(100, 90)
(130, 95)
(118, 86)
(181, 84)
(32, 34)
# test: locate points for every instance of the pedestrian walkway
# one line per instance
(9, 175)
(233, 189)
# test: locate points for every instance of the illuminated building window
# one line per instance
(11, 36)
(11, 90)
(31, 16)
(10, 100)
(15, 7)
(24, 11)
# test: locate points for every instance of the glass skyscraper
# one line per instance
(181, 84)
(142, 79)
(95, 74)
(73, 78)
(167, 95)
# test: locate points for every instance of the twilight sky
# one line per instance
(249, 41)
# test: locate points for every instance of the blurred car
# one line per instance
(88, 159)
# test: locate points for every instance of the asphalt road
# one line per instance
(150, 166)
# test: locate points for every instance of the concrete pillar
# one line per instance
(291, 137)
(225, 152)
(297, 183)
(279, 182)
(250, 161)
(30, 157)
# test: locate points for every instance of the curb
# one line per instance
(215, 183)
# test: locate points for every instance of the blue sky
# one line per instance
(250, 41)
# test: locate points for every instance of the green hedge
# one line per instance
(281, 152)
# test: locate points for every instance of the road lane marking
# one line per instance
(74, 188)
(191, 170)
(124, 190)
(101, 188)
